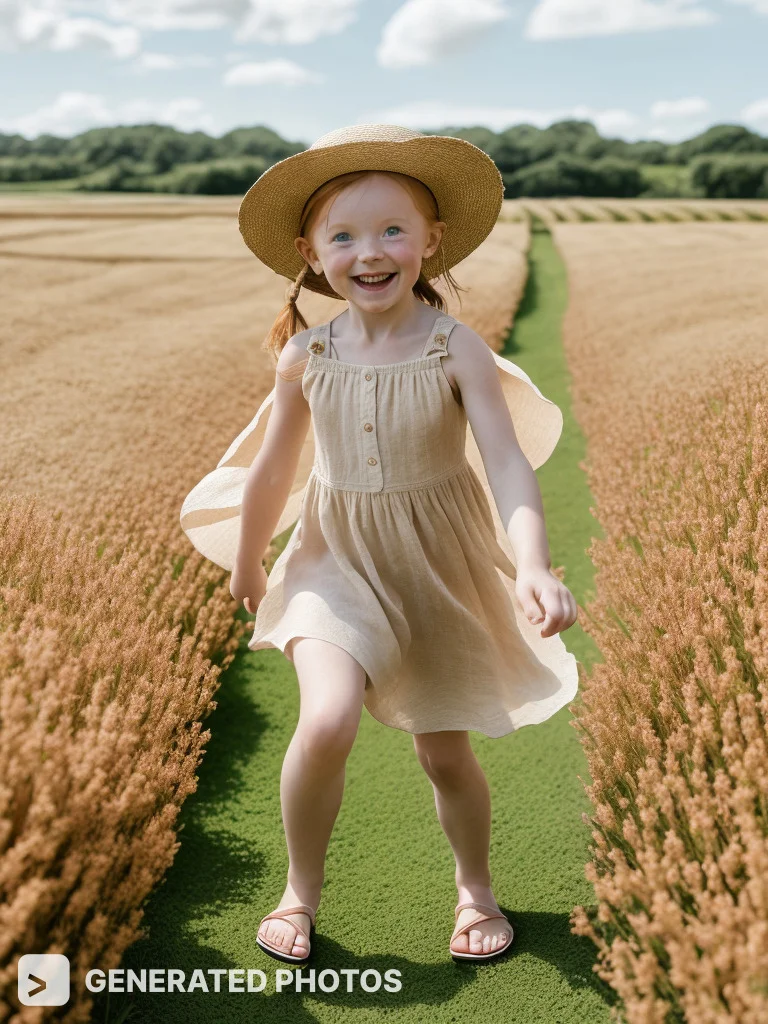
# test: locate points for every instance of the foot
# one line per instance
(280, 932)
(488, 936)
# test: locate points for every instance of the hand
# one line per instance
(545, 598)
(248, 584)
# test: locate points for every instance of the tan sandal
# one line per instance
(489, 914)
(280, 954)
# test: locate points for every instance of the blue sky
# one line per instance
(663, 69)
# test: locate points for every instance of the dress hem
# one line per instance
(275, 641)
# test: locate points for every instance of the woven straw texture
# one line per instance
(463, 179)
(399, 555)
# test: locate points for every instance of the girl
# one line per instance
(400, 588)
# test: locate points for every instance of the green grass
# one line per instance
(389, 894)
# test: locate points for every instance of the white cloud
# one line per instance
(151, 61)
(663, 133)
(74, 112)
(168, 15)
(608, 122)
(264, 21)
(116, 25)
(294, 21)
(688, 107)
(760, 6)
(564, 19)
(422, 31)
(436, 114)
(47, 26)
(271, 72)
(756, 112)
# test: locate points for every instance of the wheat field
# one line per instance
(666, 338)
(131, 355)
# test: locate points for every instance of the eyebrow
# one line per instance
(343, 225)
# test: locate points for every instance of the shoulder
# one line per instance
(470, 352)
(294, 355)
(465, 338)
(295, 348)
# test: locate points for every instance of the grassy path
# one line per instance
(389, 895)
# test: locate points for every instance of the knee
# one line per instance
(443, 761)
(326, 739)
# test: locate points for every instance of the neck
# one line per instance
(376, 327)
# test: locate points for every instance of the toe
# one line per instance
(281, 933)
(487, 937)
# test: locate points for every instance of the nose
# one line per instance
(370, 251)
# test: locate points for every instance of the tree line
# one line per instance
(568, 158)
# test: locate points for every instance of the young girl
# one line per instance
(401, 588)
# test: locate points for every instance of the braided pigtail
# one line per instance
(289, 320)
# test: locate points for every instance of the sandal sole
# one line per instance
(462, 958)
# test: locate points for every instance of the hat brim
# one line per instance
(464, 180)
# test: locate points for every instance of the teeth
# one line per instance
(371, 279)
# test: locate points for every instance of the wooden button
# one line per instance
(440, 339)
(368, 426)
(367, 376)
(371, 461)
(317, 346)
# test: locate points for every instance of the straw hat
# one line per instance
(463, 179)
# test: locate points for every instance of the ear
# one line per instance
(434, 238)
(309, 254)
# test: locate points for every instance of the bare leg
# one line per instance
(463, 805)
(332, 685)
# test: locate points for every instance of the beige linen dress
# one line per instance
(396, 558)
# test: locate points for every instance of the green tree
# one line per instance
(562, 176)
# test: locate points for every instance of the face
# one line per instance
(372, 228)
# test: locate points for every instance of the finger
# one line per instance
(531, 608)
(534, 608)
(556, 612)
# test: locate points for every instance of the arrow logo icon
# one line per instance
(43, 979)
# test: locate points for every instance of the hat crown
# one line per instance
(367, 133)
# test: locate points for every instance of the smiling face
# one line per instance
(371, 228)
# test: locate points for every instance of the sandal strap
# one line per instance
(302, 908)
(479, 906)
(490, 913)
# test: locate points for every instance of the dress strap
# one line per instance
(321, 344)
(438, 336)
(319, 340)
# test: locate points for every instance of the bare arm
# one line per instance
(271, 475)
(544, 598)
(510, 476)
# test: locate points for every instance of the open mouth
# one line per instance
(374, 282)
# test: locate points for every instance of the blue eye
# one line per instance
(392, 227)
